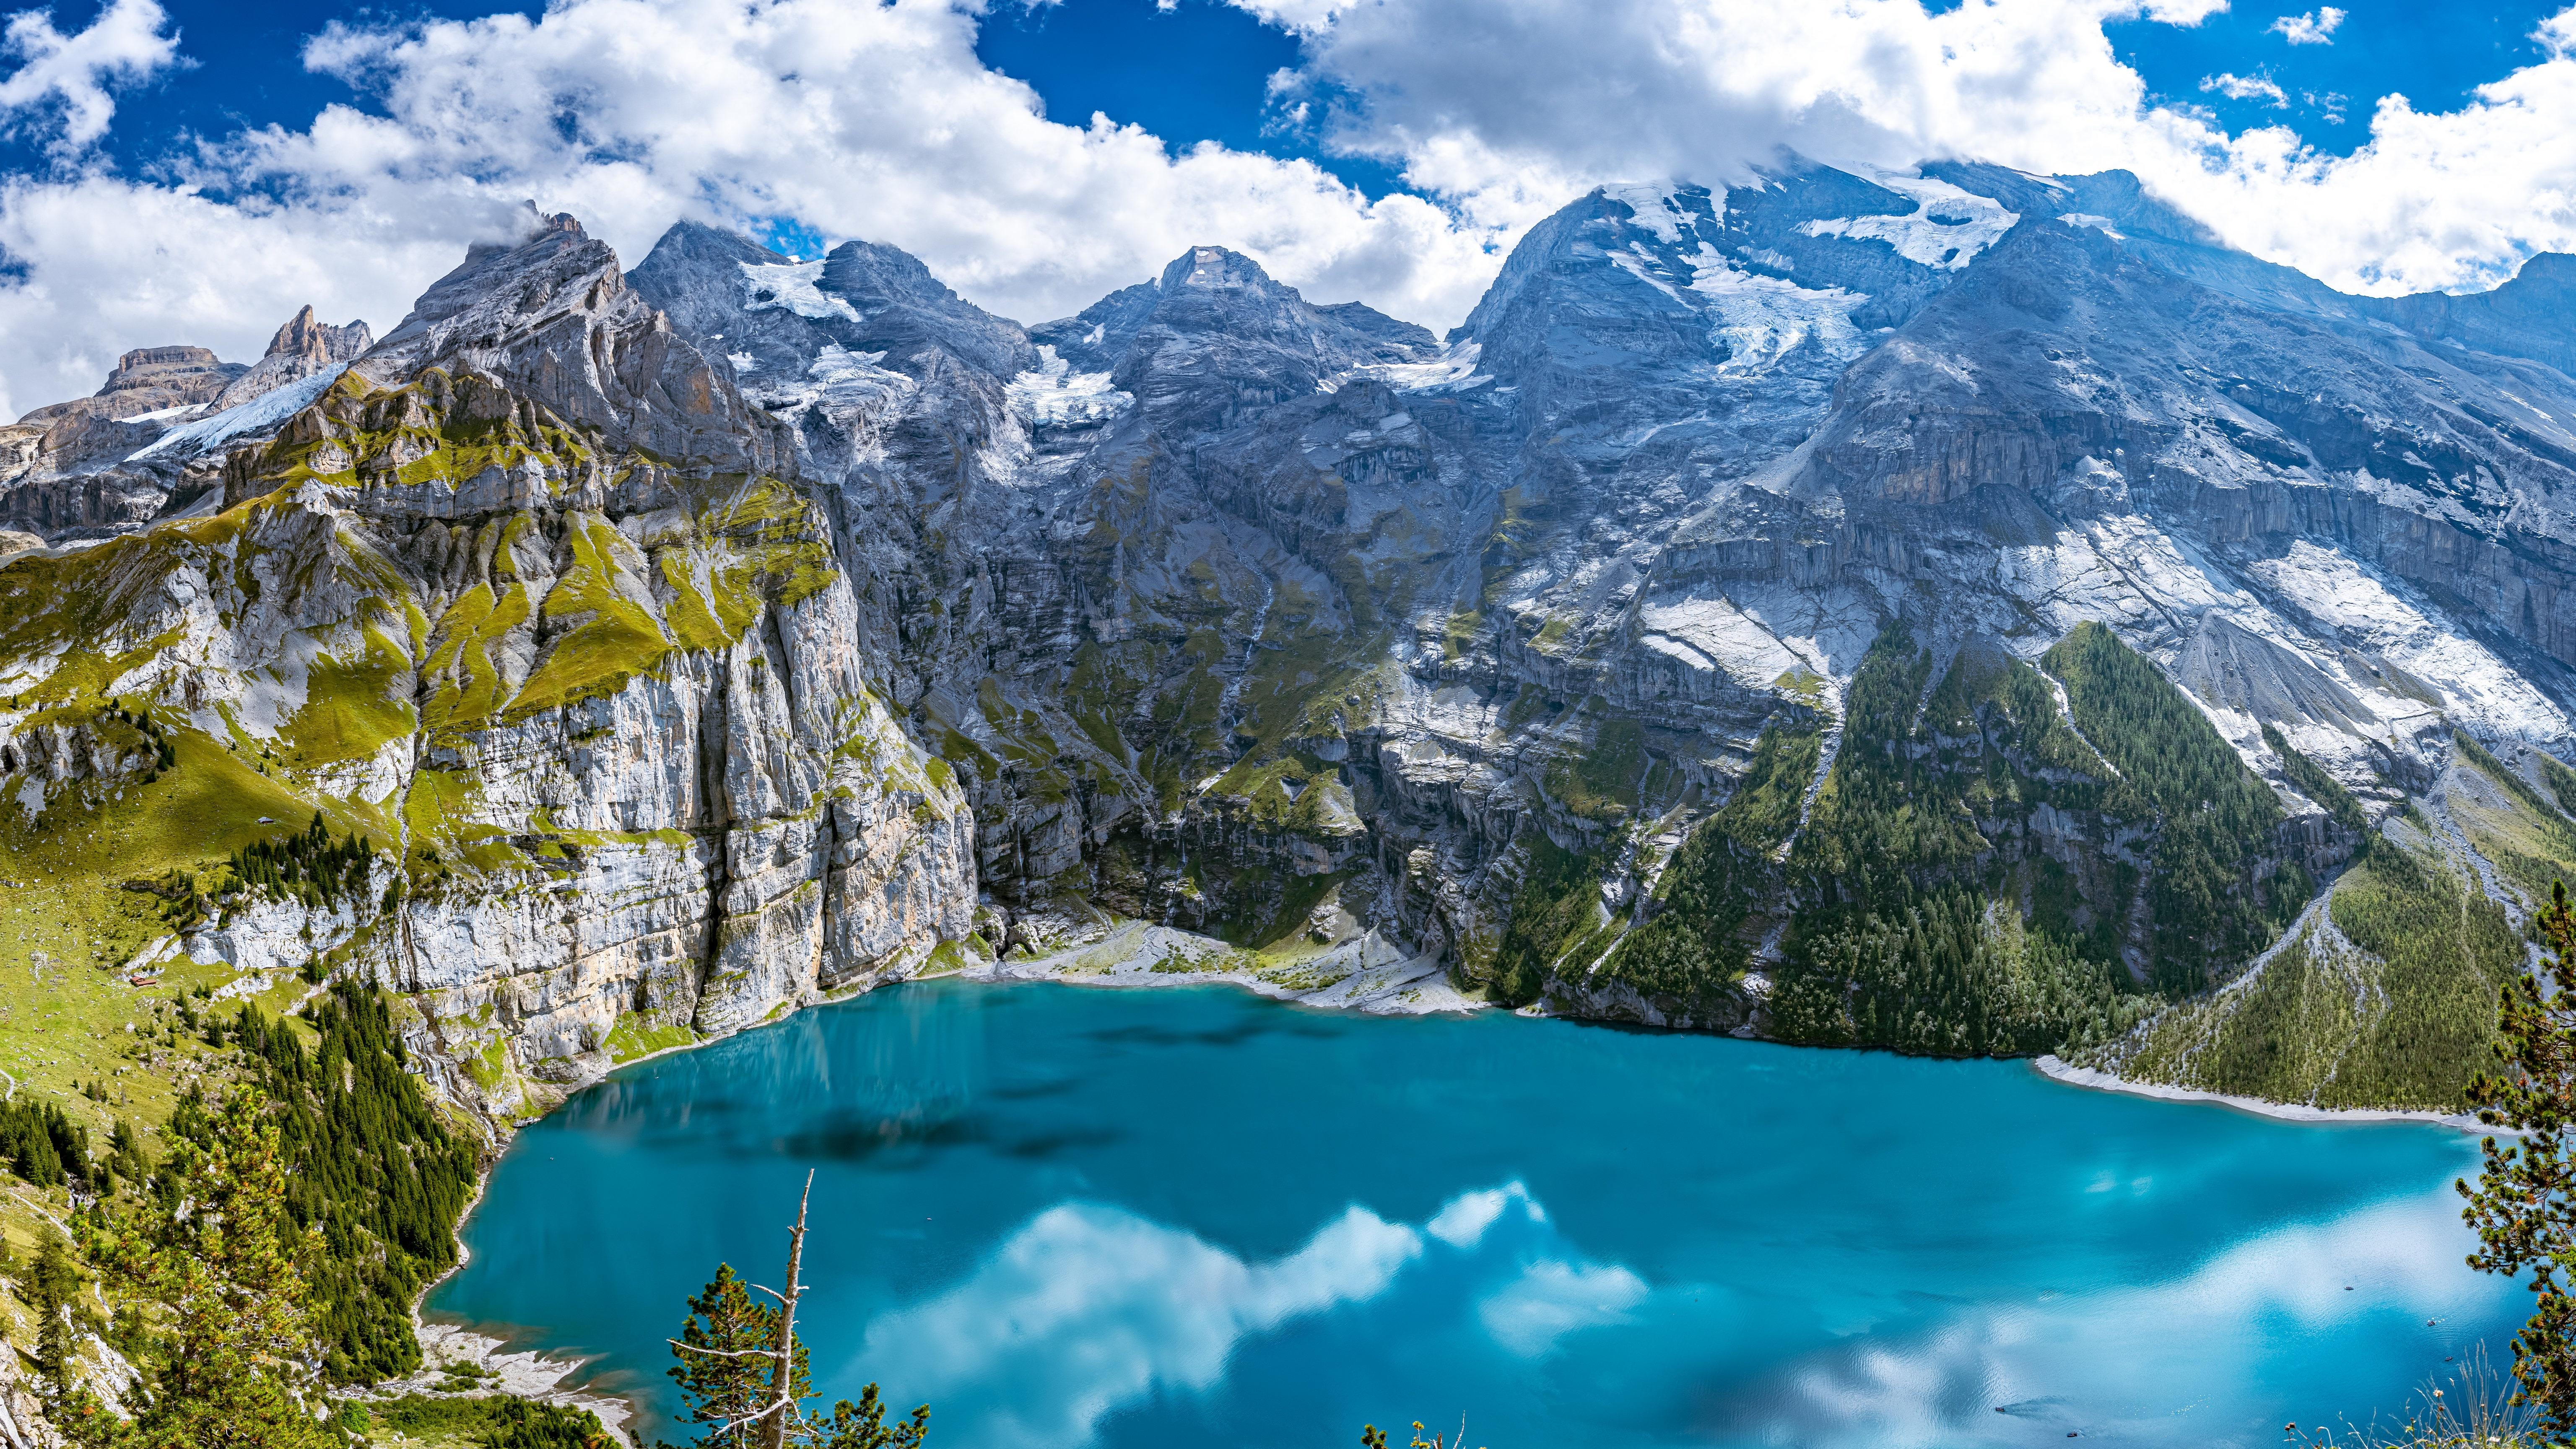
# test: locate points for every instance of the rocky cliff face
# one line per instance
(534, 602)
(1955, 610)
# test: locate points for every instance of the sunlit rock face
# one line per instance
(696, 640)
(533, 600)
(1290, 621)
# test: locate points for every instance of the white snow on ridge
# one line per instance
(2126, 572)
(1635, 262)
(791, 286)
(1763, 318)
(2101, 224)
(1454, 371)
(262, 412)
(839, 379)
(183, 409)
(1976, 221)
(1654, 204)
(1053, 395)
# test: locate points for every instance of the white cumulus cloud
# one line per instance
(2317, 27)
(2245, 88)
(1089, 1309)
(855, 120)
(1504, 106)
(874, 118)
(71, 77)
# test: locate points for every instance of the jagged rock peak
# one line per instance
(305, 337)
(550, 315)
(303, 347)
(133, 366)
(501, 289)
(1216, 314)
(776, 317)
(1217, 267)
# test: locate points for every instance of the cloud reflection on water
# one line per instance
(2106, 1363)
(1089, 1308)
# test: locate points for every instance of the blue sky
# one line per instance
(2433, 53)
(169, 170)
(1199, 69)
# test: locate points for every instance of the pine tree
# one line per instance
(53, 1290)
(2524, 1204)
(236, 1369)
(729, 1357)
(724, 1365)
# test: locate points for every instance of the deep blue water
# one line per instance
(1071, 1217)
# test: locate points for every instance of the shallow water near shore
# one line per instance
(1072, 1217)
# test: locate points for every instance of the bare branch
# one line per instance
(720, 1352)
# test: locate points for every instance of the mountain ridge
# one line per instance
(797, 625)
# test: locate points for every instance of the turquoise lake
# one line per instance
(1070, 1217)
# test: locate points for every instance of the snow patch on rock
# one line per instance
(1655, 207)
(1947, 228)
(2101, 224)
(258, 415)
(1454, 370)
(2347, 595)
(791, 286)
(1707, 631)
(1762, 319)
(1053, 395)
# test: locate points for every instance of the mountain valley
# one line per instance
(1957, 611)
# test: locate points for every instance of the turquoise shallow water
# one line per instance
(1073, 1217)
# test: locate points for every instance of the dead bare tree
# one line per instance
(782, 1404)
(748, 1414)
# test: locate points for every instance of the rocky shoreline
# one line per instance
(497, 1369)
(2051, 1066)
(1364, 973)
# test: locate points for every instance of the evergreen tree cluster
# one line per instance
(52, 1288)
(226, 1358)
(1923, 916)
(1943, 972)
(2523, 1205)
(43, 1146)
(163, 757)
(310, 867)
(492, 1422)
(1689, 947)
(1557, 908)
(1915, 935)
(2445, 950)
(375, 1172)
(2213, 816)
